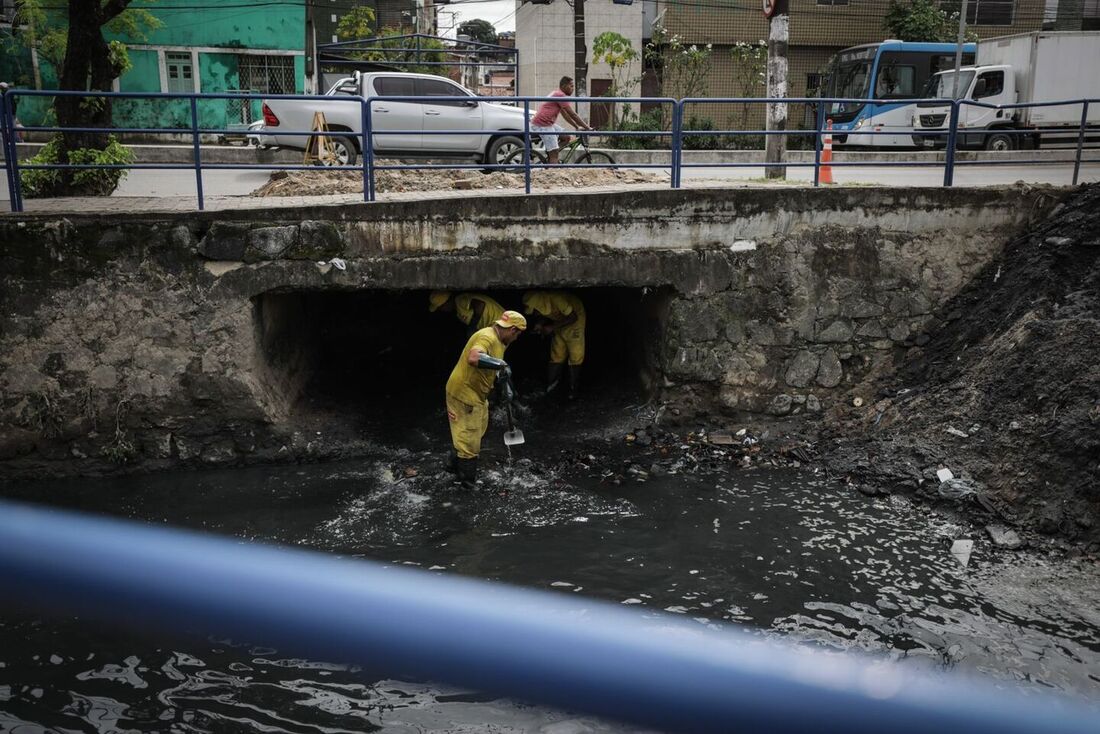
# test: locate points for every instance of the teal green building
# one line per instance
(227, 46)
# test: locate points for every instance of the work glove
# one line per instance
(485, 362)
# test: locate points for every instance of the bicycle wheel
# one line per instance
(596, 157)
(516, 158)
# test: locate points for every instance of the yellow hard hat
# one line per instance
(512, 318)
(437, 299)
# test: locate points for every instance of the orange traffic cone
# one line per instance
(825, 175)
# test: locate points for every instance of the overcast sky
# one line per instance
(501, 13)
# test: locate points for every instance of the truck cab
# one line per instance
(978, 125)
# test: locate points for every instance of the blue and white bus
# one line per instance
(887, 71)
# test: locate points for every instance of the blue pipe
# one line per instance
(648, 668)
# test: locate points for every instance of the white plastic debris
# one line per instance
(338, 263)
(944, 474)
(956, 432)
(743, 246)
(961, 550)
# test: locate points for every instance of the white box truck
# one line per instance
(1028, 67)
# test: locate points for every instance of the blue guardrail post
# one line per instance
(1080, 140)
(197, 149)
(952, 138)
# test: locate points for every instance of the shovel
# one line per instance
(513, 436)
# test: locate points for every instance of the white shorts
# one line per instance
(549, 135)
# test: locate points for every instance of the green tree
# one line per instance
(750, 62)
(409, 54)
(681, 70)
(921, 20)
(70, 38)
(478, 30)
(616, 51)
(356, 24)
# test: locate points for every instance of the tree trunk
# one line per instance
(580, 53)
(87, 67)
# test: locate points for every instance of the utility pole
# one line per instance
(311, 82)
(580, 52)
(959, 46)
(775, 146)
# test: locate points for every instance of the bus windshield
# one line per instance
(849, 77)
(942, 86)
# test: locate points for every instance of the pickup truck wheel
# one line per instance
(999, 142)
(344, 149)
(502, 149)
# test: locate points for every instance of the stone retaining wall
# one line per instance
(133, 340)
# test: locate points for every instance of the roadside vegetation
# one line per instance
(69, 38)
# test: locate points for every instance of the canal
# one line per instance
(600, 504)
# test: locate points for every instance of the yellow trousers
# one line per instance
(568, 342)
(468, 425)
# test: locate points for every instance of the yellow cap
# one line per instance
(512, 318)
(437, 299)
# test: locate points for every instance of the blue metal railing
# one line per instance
(370, 132)
(647, 668)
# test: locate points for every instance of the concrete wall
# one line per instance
(137, 338)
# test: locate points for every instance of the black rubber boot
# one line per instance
(553, 376)
(467, 473)
(451, 465)
(574, 380)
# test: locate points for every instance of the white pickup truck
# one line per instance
(483, 131)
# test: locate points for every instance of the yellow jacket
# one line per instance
(468, 383)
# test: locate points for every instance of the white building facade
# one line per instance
(544, 38)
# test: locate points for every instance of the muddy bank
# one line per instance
(1005, 395)
(310, 183)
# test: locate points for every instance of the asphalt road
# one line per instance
(240, 183)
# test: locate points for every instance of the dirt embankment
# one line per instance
(319, 183)
(1006, 395)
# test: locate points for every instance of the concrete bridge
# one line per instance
(156, 339)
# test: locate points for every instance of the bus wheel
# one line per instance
(999, 142)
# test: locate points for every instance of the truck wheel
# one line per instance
(999, 142)
(344, 149)
(501, 149)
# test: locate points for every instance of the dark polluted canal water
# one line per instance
(783, 552)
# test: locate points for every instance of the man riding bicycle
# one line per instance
(545, 120)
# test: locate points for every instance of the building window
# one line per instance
(181, 75)
(266, 74)
(986, 12)
(813, 84)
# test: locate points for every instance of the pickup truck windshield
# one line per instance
(942, 86)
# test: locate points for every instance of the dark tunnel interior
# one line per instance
(376, 351)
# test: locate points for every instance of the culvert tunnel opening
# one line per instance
(380, 358)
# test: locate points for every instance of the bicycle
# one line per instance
(568, 154)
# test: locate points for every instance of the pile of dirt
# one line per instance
(319, 183)
(1007, 394)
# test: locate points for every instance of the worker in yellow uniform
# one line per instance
(476, 310)
(468, 389)
(563, 319)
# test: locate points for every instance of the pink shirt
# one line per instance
(547, 113)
